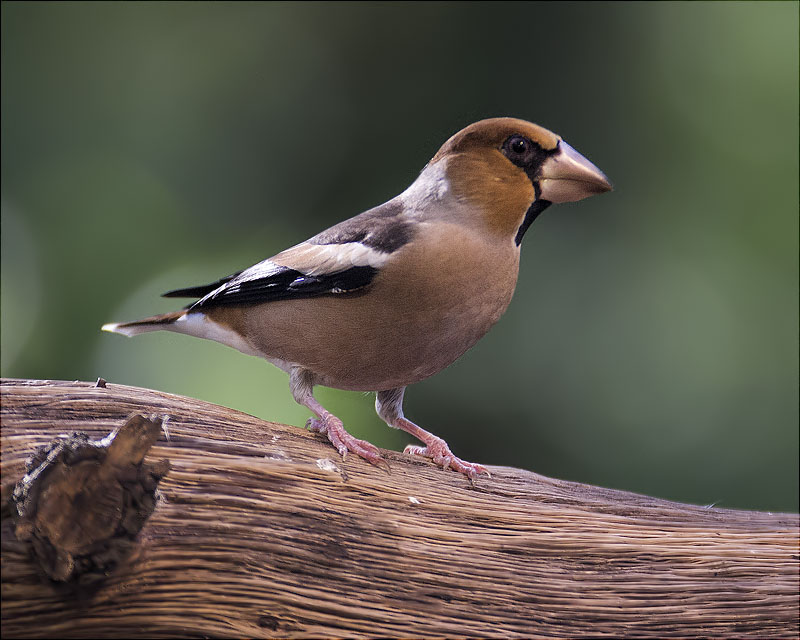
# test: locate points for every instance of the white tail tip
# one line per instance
(127, 330)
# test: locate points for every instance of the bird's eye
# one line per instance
(521, 151)
(518, 144)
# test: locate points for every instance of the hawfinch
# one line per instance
(397, 293)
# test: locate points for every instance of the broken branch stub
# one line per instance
(82, 502)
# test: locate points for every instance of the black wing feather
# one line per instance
(199, 291)
(282, 283)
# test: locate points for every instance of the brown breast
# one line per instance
(413, 321)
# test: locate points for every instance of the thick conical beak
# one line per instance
(567, 176)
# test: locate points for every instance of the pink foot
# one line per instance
(438, 451)
(332, 427)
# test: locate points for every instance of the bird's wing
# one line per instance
(342, 259)
(200, 290)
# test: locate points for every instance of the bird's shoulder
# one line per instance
(384, 228)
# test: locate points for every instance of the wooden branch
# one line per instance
(82, 502)
(263, 531)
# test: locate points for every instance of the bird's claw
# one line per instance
(343, 442)
(440, 453)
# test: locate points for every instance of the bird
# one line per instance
(397, 293)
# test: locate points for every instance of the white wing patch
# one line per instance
(321, 259)
(263, 269)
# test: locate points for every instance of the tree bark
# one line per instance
(262, 530)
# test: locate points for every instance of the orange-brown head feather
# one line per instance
(481, 174)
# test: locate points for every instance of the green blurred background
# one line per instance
(653, 341)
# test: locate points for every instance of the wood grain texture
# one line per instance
(263, 532)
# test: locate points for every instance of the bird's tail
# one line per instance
(154, 323)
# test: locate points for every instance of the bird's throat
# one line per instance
(530, 215)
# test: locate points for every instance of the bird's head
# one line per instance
(511, 170)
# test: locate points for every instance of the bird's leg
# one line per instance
(389, 405)
(302, 385)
